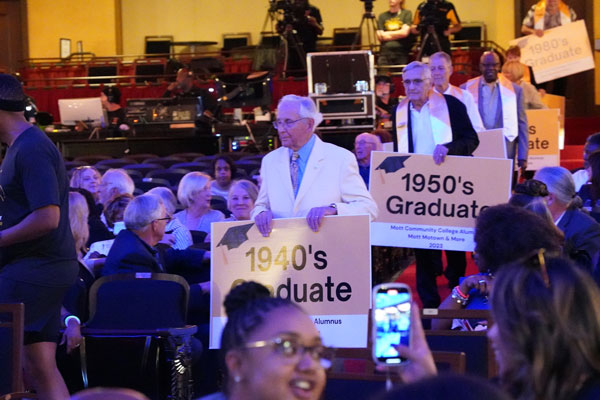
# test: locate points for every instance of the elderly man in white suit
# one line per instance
(307, 177)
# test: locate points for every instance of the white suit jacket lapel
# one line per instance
(313, 167)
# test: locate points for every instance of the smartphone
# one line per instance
(391, 321)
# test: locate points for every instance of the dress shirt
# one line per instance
(489, 94)
(421, 127)
(303, 154)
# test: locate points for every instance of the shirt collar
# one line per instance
(304, 151)
(412, 108)
(491, 85)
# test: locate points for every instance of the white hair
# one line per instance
(425, 71)
(141, 211)
(191, 183)
(443, 55)
(306, 107)
(248, 186)
(117, 178)
(168, 198)
(559, 182)
(373, 137)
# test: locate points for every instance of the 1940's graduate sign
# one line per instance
(328, 273)
(428, 206)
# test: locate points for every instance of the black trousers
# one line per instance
(429, 266)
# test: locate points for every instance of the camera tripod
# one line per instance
(429, 35)
(369, 18)
(288, 43)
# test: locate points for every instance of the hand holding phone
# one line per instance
(391, 322)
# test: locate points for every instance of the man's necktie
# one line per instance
(294, 171)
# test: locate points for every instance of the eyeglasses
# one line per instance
(167, 218)
(290, 348)
(287, 124)
(496, 65)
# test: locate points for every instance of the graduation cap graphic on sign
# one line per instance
(235, 236)
(392, 164)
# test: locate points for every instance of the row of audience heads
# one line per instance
(114, 190)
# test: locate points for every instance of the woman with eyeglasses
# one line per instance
(546, 332)
(88, 178)
(503, 234)
(270, 348)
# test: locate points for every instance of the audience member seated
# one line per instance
(590, 193)
(111, 102)
(240, 200)
(97, 228)
(364, 144)
(133, 249)
(582, 232)
(270, 348)
(176, 234)
(194, 195)
(546, 332)
(75, 304)
(385, 103)
(115, 181)
(113, 214)
(115, 211)
(223, 169)
(530, 195)
(513, 71)
(592, 145)
(503, 234)
(87, 178)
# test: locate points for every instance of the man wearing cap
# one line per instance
(37, 252)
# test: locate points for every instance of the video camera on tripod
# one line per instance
(292, 12)
(432, 15)
(368, 5)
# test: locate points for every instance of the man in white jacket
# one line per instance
(307, 177)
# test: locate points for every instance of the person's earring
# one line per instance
(237, 379)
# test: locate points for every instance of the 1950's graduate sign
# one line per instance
(328, 273)
(428, 206)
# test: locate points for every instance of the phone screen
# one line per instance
(392, 323)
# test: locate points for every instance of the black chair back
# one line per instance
(139, 301)
(11, 343)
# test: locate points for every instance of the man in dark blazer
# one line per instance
(133, 249)
(427, 122)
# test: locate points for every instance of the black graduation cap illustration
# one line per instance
(235, 236)
(392, 164)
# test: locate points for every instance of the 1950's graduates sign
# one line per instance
(428, 206)
(328, 273)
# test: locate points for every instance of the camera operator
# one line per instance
(393, 31)
(437, 17)
(304, 19)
